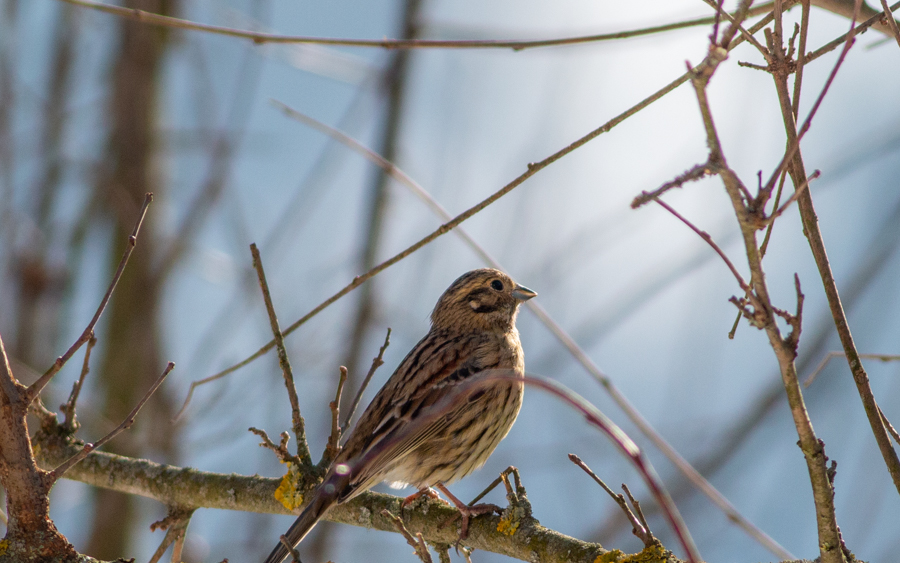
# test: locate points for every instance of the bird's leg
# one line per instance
(467, 511)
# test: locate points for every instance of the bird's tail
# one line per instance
(321, 502)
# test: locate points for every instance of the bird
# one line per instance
(398, 438)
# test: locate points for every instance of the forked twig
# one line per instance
(126, 424)
(69, 407)
(333, 446)
(417, 542)
(39, 385)
(639, 525)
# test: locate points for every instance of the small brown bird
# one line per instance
(473, 329)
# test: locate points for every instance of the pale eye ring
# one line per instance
(497, 284)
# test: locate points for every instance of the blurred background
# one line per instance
(95, 111)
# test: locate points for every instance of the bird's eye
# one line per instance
(497, 284)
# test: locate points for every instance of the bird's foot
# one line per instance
(466, 511)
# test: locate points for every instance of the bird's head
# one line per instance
(485, 299)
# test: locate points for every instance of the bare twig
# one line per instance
(376, 363)
(39, 385)
(333, 446)
(287, 372)
(175, 523)
(640, 515)
(69, 407)
(280, 449)
(260, 38)
(890, 427)
(705, 236)
(794, 197)
(417, 542)
(639, 526)
(892, 23)
(697, 172)
(11, 388)
(126, 424)
(815, 373)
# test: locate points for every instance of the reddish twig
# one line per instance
(39, 385)
(705, 236)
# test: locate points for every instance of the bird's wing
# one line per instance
(387, 431)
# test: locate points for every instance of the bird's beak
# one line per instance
(522, 293)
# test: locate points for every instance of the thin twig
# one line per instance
(794, 197)
(697, 172)
(287, 372)
(892, 23)
(69, 407)
(175, 523)
(280, 449)
(126, 424)
(39, 385)
(705, 236)
(828, 357)
(417, 542)
(11, 387)
(333, 446)
(640, 515)
(890, 427)
(168, 539)
(639, 529)
(260, 38)
(376, 363)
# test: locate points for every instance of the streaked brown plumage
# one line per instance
(473, 329)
